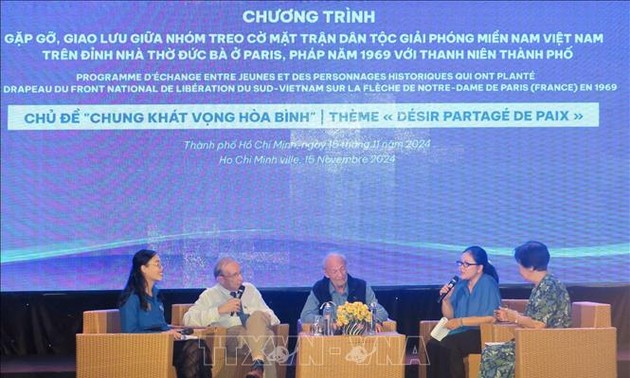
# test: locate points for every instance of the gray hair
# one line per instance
(218, 268)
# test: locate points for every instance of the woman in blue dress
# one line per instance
(472, 302)
(549, 306)
(142, 311)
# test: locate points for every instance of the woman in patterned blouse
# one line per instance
(549, 306)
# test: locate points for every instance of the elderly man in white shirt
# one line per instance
(239, 307)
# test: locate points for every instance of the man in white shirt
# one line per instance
(239, 307)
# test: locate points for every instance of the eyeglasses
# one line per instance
(158, 265)
(236, 274)
(465, 264)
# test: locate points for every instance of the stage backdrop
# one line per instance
(398, 133)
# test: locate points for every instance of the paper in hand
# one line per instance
(440, 331)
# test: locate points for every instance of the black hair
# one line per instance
(481, 257)
(532, 254)
(136, 284)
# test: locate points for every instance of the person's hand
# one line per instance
(379, 327)
(501, 314)
(233, 305)
(504, 314)
(445, 289)
(175, 333)
(454, 323)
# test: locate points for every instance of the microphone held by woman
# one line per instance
(449, 287)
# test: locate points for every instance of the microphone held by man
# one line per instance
(447, 288)
(237, 294)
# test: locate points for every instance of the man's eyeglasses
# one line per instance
(236, 274)
(465, 264)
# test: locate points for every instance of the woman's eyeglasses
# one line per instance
(465, 264)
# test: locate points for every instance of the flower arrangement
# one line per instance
(353, 318)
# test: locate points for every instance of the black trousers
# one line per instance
(446, 357)
(192, 359)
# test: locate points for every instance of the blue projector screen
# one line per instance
(398, 133)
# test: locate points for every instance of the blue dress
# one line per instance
(133, 319)
(484, 299)
(549, 303)
(446, 356)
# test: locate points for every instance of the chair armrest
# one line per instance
(389, 325)
(282, 334)
(101, 321)
(566, 352)
(281, 329)
(425, 326)
(472, 363)
(497, 332)
(125, 355)
(177, 313)
(515, 304)
(590, 315)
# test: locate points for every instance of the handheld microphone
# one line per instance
(237, 294)
(186, 331)
(449, 287)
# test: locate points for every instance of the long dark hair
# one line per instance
(481, 257)
(136, 284)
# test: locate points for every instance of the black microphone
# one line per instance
(237, 294)
(186, 331)
(449, 287)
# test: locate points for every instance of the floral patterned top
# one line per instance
(549, 303)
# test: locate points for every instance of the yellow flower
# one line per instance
(353, 312)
